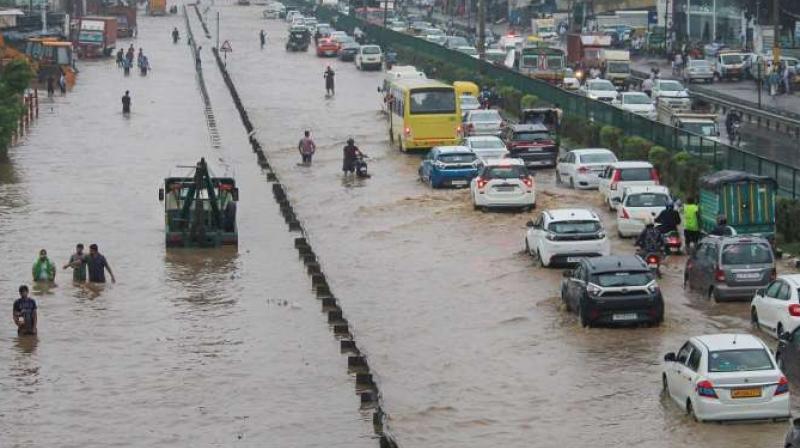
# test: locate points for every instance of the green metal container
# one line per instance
(746, 200)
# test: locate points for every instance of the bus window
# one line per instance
(433, 101)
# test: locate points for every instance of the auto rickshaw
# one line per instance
(746, 200)
(299, 39)
(466, 88)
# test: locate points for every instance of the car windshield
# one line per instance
(487, 143)
(636, 99)
(468, 50)
(504, 172)
(495, 56)
(704, 129)
(670, 86)
(457, 41)
(647, 200)
(731, 59)
(457, 158)
(618, 67)
(603, 86)
(485, 116)
(746, 253)
(371, 50)
(699, 63)
(470, 101)
(600, 157)
(739, 360)
(624, 278)
(635, 174)
(555, 62)
(532, 136)
(574, 227)
(433, 101)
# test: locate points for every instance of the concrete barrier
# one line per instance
(348, 346)
(329, 304)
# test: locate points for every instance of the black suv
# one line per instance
(533, 143)
(613, 290)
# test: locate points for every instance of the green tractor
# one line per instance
(200, 210)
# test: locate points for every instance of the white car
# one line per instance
(581, 167)
(369, 56)
(469, 50)
(311, 23)
(571, 81)
(637, 103)
(483, 122)
(777, 307)
(599, 89)
(487, 147)
(671, 91)
(726, 377)
(503, 183)
(621, 175)
(564, 236)
(637, 204)
(468, 103)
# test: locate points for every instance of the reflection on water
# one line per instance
(26, 344)
(206, 275)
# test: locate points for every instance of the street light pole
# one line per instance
(776, 50)
(482, 29)
(218, 33)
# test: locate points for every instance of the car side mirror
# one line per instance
(235, 195)
(760, 292)
(530, 223)
(669, 357)
(160, 194)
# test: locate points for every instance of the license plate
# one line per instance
(748, 276)
(504, 188)
(459, 182)
(746, 393)
(573, 259)
(625, 316)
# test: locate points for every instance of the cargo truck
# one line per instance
(126, 19)
(746, 200)
(616, 66)
(585, 49)
(696, 119)
(157, 7)
(97, 36)
(545, 29)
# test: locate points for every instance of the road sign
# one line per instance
(226, 47)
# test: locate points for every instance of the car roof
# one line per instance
(615, 263)
(730, 341)
(634, 94)
(482, 137)
(571, 214)
(591, 151)
(528, 127)
(734, 239)
(451, 149)
(647, 189)
(632, 164)
(504, 162)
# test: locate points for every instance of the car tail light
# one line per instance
(528, 181)
(794, 310)
(482, 183)
(652, 259)
(719, 274)
(614, 179)
(459, 129)
(408, 131)
(625, 214)
(654, 175)
(583, 170)
(706, 389)
(783, 386)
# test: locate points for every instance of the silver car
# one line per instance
(483, 122)
(730, 267)
(698, 70)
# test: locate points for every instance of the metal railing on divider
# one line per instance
(717, 154)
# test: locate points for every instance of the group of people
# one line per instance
(91, 267)
(351, 155)
(62, 83)
(125, 60)
(651, 239)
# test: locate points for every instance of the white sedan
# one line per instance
(503, 183)
(581, 167)
(486, 147)
(726, 377)
(637, 204)
(468, 103)
(599, 89)
(637, 103)
(776, 308)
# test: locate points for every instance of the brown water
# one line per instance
(190, 347)
(468, 339)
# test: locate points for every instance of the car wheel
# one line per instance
(779, 331)
(712, 295)
(754, 319)
(582, 317)
(430, 182)
(566, 302)
(690, 411)
(664, 384)
(485, 209)
(686, 285)
(571, 183)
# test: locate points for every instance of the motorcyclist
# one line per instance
(669, 219)
(650, 240)
(486, 97)
(351, 155)
(722, 228)
(262, 36)
(732, 118)
(175, 35)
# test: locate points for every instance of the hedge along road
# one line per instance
(190, 347)
(469, 339)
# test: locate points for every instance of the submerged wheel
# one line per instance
(664, 384)
(690, 411)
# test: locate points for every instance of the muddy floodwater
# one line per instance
(467, 338)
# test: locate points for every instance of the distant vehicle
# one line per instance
(698, 69)
(486, 147)
(636, 103)
(617, 67)
(621, 175)
(483, 122)
(435, 38)
(730, 267)
(423, 113)
(534, 144)
(571, 81)
(613, 290)
(541, 62)
(599, 89)
(639, 203)
(418, 27)
(348, 49)
(729, 65)
(468, 50)
(291, 13)
(369, 57)
(157, 7)
(327, 47)
(495, 56)
(672, 92)
(453, 166)
(335, 34)
(728, 193)
(503, 183)
(398, 26)
(97, 36)
(565, 236)
(726, 377)
(299, 39)
(311, 24)
(274, 11)
(776, 308)
(453, 42)
(582, 167)
(468, 103)
(323, 30)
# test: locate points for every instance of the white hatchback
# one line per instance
(564, 236)
(726, 377)
(369, 56)
(503, 183)
(621, 175)
(777, 307)
(637, 204)
(487, 147)
(581, 167)
(636, 103)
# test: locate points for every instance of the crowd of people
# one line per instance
(125, 61)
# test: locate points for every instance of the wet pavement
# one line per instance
(468, 340)
(190, 347)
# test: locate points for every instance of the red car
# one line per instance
(327, 47)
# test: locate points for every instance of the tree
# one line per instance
(14, 79)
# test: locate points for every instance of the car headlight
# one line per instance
(593, 290)
(592, 97)
(652, 287)
(601, 235)
(439, 165)
(550, 236)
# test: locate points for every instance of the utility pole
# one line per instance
(218, 32)
(482, 29)
(776, 45)
(385, 11)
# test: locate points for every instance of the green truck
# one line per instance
(746, 200)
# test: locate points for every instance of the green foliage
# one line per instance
(660, 157)
(635, 148)
(511, 99)
(529, 101)
(787, 213)
(610, 137)
(14, 79)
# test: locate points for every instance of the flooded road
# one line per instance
(188, 347)
(468, 339)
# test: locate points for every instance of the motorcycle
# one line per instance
(672, 240)
(361, 167)
(653, 260)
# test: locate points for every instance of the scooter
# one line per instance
(672, 240)
(653, 260)
(361, 167)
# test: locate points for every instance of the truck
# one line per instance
(156, 7)
(544, 28)
(126, 19)
(616, 66)
(585, 48)
(541, 62)
(698, 119)
(746, 200)
(97, 36)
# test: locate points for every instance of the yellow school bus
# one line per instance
(423, 113)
